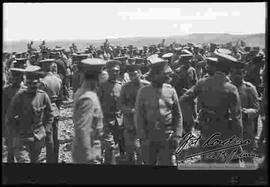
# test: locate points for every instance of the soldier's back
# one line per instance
(52, 84)
(216, 93)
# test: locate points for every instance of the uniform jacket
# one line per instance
(186, 78)
(87, 118)
(219, 101)
(109, 96)
(249, 100)
(30, 114)
(127, 101)
(51, 84)
(156, 108)
(8, 93)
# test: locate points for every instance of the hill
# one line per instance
(251, 40)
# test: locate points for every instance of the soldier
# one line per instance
(62, 71)
(9, 92)
(52, 85)
(168, 56)
(158, 117)
(28, 118)
(103, 77)
(87, 116)
(253, 71)
(186, 75)
(211, 51)
(76, 77)
(176, 56)
(127, 102)
(199, 62)
(220, 106)
(250, 106)
(109, 94)
(236, 54)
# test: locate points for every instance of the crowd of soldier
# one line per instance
(141, 102)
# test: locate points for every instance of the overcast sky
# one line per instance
(57, 21)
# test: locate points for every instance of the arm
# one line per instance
(177, 115)
(139, 119)
(235, 108)
(48, 114)
(253, 109)
(190, 94)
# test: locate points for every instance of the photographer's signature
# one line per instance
(219, 146)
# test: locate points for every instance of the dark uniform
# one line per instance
(186, 78)
(158, 119)
(9, 92)
(109, 94)
(28, 117)
(253, 71)
(127, 101)
(220, 106)
(52, 84)
(250, 106)
(87, 118)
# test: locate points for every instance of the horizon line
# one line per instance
(128, 37)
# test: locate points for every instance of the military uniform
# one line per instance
(199, 63)
(52, 84)
(220, 107)
(253, 71)
(28, 118)
(109, 94)
(88, 125)
(158, 117)
(77, 77)
(249, 100)
(250, 106)
(187, 77)
(9, 92)
(88, 116)
(127, 102)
